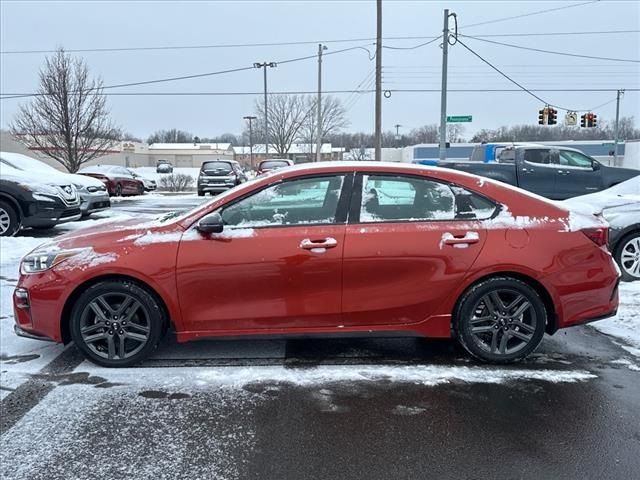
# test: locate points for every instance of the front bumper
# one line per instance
(48, 214)
(91, 203)
(25, 334)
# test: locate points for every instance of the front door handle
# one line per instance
(309, 244)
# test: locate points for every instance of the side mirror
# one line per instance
(212, 223)
(595, 165)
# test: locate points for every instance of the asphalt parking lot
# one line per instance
(372, 408)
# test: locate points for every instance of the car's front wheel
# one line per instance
(500, 320)
(627, 255)
(9, 220)
(117, 323)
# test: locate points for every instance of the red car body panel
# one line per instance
(130, 186)
(394, 277)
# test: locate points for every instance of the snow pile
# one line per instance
(625, 326)
(150, 237)
(86, 259)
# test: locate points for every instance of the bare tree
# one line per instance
(287, 114)
(333, 120)
(358, 155)
(425, 134)
(172, 135)
(455, 132)
(68, 119)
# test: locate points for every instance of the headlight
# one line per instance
(40, 188)
(39, 261)
(43, 198)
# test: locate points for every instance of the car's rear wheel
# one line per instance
(627, 255)
(118, 190)
(9, 220)
(117, 324)
(200, 193)
(500, 320)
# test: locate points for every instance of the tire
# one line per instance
(9, 220)
(114, 337)
(140, 190)
(627, 256)
(200, 193)
(118, 190)
(521, 318)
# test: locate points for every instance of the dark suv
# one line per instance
(217, 176)
(25, 202)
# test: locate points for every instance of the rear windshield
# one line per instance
(216, 167)
(274, 164)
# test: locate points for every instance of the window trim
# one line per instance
(356, 200)
(341, 208)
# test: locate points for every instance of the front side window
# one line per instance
(294, 202)
(575, 159)
(397, 198)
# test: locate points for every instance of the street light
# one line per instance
(264, 66)
(250, 118)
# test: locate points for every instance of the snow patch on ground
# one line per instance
(627, 363)
(625, 326)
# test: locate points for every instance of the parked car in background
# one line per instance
(164, 166)
(553, 172)
(149, 184)
(31, 200)
(328, 248)
(93, 193)
(267, 165)
(118, 180)
(620, 207)
(217, 176)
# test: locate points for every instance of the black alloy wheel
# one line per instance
(501, 320)
(117, 324)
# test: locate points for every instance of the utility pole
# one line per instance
(250, 118)
(378, 132)
(264, 65)
(615, 134)
(319, 103)
(443, 91)
(397, 125)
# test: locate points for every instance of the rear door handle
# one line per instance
(468, 239)
(309, 244)
(528, 170)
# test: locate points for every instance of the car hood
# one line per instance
(600, 203)
(120, 233)
(66, 178)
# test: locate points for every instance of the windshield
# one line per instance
(216, 168)
(270, 164)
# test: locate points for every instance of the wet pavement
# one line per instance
(341, 408)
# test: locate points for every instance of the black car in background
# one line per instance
(25, 202)
(164, 166)
(217, 176)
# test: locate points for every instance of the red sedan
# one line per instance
(118, 180)
(330, 248)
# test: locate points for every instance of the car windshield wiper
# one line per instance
(168, 216)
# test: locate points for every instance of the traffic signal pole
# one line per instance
(615, 134)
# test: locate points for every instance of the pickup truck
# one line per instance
(557, 173)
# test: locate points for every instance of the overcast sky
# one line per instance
(87, 25)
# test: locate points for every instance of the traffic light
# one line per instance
(552, 116)
(542, 120)
(594, 120)
(583, 120)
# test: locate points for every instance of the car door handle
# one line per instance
(528, 170)
(563, 172)
(465, 240)
(309, 244)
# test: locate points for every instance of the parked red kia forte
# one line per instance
(330, 248)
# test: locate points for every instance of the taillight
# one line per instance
(599, 235)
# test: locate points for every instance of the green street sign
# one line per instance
(459, 119)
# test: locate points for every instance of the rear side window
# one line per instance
(216, 168)
(471, 206)
(397, 198)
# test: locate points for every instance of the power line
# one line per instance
(551, 51)
(414, 47)
(365, 90)
(530, 92)
(187, 77)
(299, 43)
(530, 14)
